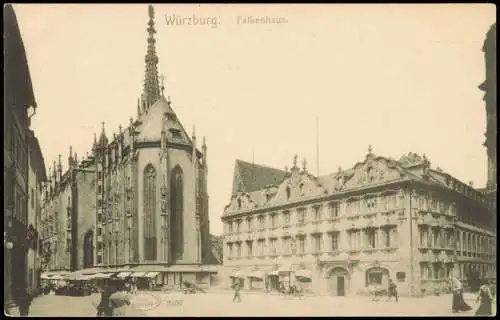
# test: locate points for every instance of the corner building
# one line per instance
(340, 233)
(138, 203)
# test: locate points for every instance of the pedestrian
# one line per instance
(484, 298)
(105, 307)
(236, 287)
(392, 290)
(458, 302)
(23, 300)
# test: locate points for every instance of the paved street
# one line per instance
(220, 304)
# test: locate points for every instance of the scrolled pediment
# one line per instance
(241, 202)
(372, 171)
(297, 186)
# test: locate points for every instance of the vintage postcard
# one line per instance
(250, 160)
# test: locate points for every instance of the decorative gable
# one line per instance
(372, 171)
(298, 185)
(240, 202)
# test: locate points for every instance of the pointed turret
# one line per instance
(193, 137)
(70, 158)
(151, 85)
(103, 140)
(204, 151)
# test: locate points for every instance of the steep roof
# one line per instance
(36, 156)
(18, 86)
(249, 177)
(261, 186)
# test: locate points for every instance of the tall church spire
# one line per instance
(151, 83)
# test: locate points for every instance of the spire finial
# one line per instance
(370, 149)
(59, 160)
(102, 124)
(70, 151)
(162, 78)
(151, 86)
(194, 131)
(304, 164)
(120, 129)
(340, 169)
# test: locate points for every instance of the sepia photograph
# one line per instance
(265, 160)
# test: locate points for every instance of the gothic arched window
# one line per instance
(177, 213)
(150, 213)
(288, 192)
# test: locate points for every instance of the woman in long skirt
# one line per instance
(458, 303)
(485, 298)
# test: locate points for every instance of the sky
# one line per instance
(401, 78)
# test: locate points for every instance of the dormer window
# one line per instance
(176, 133)
(239, 203)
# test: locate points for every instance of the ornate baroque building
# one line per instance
(337, 234)
(489, 86)
(138, 203)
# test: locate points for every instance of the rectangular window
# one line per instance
(250, 248)
(317, 213)
(355, 239)
(32, 199)
(230, 226)
(387, 237)
(370, 237)
(333, 209)
(286, 218)
(286, 245)
(238, 249)
(272, 245)
(335, 241)
(260, 248)
(238, 225)
(261, 222)
(301, 245)
(249, 224)
(317, 242)
(274, 220)
(301, 212)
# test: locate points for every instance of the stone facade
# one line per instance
(140, 197)
(340, 233)
(18, 100)
(489, 86)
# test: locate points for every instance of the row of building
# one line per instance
(340, 233)
(24, 168)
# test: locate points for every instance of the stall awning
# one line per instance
(303, 274)
(138, 274)
(124, 274)
(55, 275)
(151, 274)
(237, 274)
(85, 277)
(285, 269)
(273, 273)
(256, 275)
(102, 275)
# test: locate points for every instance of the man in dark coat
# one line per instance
(105, 307)
(392, 290)
(23, 300)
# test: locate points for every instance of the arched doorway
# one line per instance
(376, 276)
(338, 283)
(88, 249)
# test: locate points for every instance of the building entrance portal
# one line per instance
(338, 282)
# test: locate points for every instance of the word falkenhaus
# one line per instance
(261, 20)
(175, 20)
